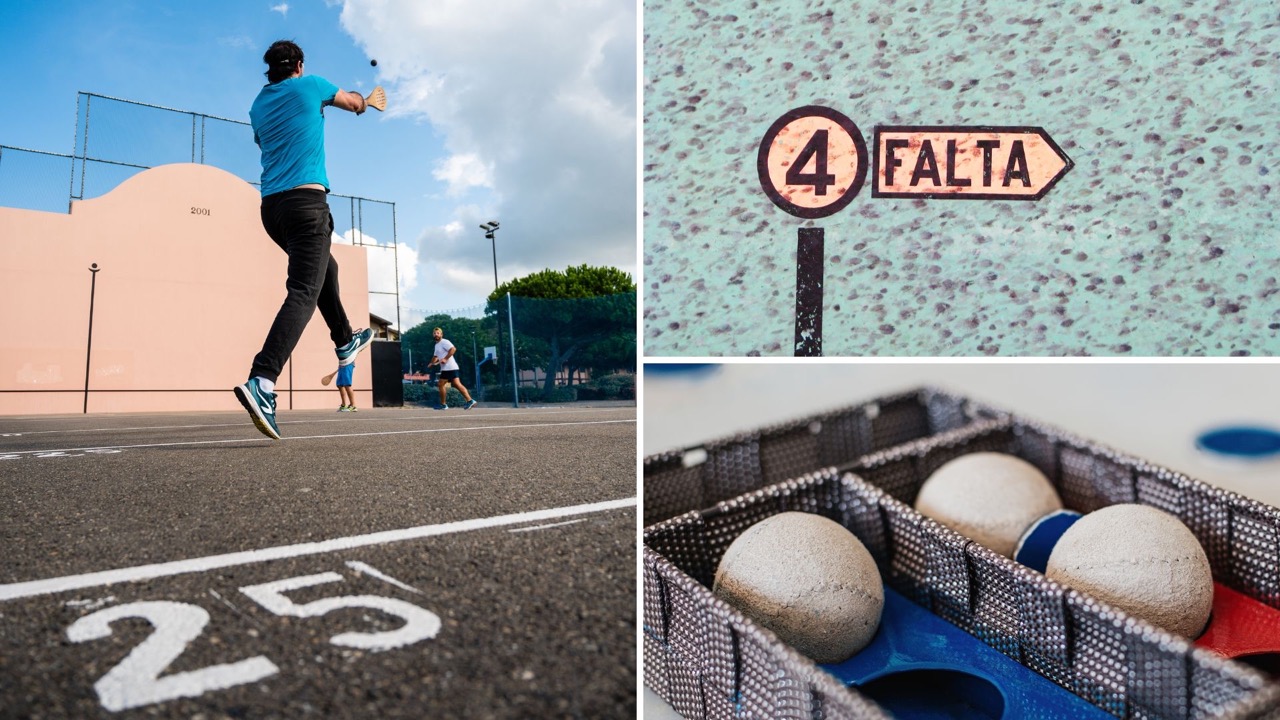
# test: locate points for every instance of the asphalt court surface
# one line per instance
(396, 562)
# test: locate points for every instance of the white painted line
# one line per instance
(374, 572)
(91, 604)
(32, 588)
(236, 610)
(544, 527)
(261, 439)
(224, 601)
(240, 421)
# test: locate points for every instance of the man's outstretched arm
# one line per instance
(353, 102)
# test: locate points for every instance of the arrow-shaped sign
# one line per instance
(965, 163)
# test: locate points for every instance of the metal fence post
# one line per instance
(84, 152)
(515, 384)
(395, 259)
(71, 191)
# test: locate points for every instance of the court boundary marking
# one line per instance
(418, 431)
(434, 415)
(50, 586)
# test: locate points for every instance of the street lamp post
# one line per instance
(490, 228)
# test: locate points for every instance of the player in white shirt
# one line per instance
(448, 371)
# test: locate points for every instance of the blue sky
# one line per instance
(523, 112)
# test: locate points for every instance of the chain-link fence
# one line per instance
(34, 180)
(116, 139)
(563, 349)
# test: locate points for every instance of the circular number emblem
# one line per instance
(812, 162)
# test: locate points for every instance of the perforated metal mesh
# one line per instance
(700, 476)
(1240, 536)
(705, 658)
(1118, 663)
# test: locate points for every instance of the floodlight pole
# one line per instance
(490, 228)
(493, 244)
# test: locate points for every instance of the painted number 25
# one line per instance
(136, 680)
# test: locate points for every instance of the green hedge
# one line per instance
(531, 394)
(609, 387)
(430, 395)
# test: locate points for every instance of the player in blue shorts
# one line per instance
(288, 125)
(344, 388)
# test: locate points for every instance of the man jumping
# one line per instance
(288, 126)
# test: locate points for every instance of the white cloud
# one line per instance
(239, 42)
(282, 8)
(464, 171)
(383, 262)
(536, 107)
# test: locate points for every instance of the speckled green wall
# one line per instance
(1162, 240)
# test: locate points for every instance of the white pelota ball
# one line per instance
(988, 497)
(1141, 560)
(809, 580)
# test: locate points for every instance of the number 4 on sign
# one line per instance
(816, 150)
(812, 162)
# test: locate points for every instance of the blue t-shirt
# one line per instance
(288, 124)
(345, 374)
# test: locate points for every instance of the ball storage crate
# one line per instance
(708, 660)
(696, 477)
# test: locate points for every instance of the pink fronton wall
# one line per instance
(187, 287)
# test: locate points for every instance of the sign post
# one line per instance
(812, 163)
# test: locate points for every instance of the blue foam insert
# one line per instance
(921, 666)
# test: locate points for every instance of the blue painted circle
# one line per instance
(1240, 442)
